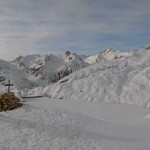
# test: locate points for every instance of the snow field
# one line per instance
(46, 124)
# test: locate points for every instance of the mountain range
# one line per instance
(109, 76)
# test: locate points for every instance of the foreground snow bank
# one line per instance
(125, 80)
(51, 124)
(36, 127)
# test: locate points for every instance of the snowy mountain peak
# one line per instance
(106, 55)
(111, 54)
(109, 50)
(69, 57)
(72, 62)
(46, 69)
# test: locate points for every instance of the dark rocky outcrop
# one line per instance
(9, 101)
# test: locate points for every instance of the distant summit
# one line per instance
(108, 54)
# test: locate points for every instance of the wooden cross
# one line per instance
(8, 85)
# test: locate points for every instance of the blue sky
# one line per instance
(81, 26)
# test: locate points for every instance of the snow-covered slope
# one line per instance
(17, 77)
(91, 59)
(125, 80)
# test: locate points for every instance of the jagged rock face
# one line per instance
(2, 78)
(147, 47)
(32, 64)
(67, 53)
(73, 62)
(65, 71)
(3, 66)
(58, 67)
(9, 101)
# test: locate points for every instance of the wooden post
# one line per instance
(8, 85)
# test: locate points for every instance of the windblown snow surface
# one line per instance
(72, 114)
(51, 124)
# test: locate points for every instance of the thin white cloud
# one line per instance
(27, 25)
